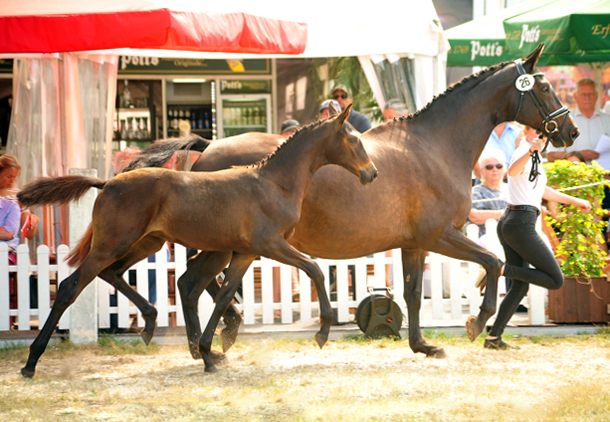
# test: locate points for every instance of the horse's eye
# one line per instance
(545, 88)
(352, 140)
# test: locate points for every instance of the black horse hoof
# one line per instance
(321, 339)
(436, 352)
(211, 369)
(217, 357)
(27, 373)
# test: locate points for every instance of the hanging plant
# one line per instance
(581, 232)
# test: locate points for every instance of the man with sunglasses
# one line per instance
(504, 138)
(489, 197)
(360, 122)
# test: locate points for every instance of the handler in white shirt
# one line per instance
(592, 124)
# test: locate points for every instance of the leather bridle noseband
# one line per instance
(549, 126)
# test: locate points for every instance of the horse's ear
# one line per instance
(345, 114)
(532, 59)
(332, 111)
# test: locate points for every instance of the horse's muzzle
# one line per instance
(369, 174)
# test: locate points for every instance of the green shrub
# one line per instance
(579, 248)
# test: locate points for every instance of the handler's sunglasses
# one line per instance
(491, 166)
(336, 97)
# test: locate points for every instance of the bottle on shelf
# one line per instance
(194, 120)
(144, 128)
(131, 131)
(123, 134)
(200, 123)
(174, 122)
(126, 99)
(206, 121)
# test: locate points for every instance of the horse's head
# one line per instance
(347, 150)
(537, 104)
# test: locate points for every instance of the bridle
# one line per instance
(549, 126)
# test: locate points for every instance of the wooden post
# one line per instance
(83, 312)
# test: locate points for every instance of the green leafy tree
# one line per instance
(579, 250)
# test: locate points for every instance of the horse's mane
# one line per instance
(469, 80)
(264, 161)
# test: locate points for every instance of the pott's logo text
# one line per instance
(529, 35)
(138, 61)
(489, 49)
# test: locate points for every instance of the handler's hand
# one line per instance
(535, 145)
(583, 204)
(589, 154)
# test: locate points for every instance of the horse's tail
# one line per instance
(160, 151)
(79, 253)
(57, 190)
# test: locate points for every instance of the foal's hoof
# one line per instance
(146, 336)
(217, 357)
(474, 327)
(321, 339)
(228, 336)
(26, 373)
(195, 352)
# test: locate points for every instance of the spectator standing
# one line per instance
(503, 137)
(360, 122)
(394, 108)
(591, 123)
(9, 171)
(289, 127)
(325, 112)
(10, 219)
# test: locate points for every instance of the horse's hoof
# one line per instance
(228, 336)
(321, 339)
(473, 327)
(211, 369)
(195, 353)
(27, 373)
(436, 352)
(217, 357)
(146, 336)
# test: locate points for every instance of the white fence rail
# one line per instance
(449, 292)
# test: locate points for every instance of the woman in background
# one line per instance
(9, 171)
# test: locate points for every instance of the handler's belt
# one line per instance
(523, 208)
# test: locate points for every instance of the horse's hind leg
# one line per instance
(455, 245)
(238, 267)
(200, 272)
(67, 293)
(114, 275)
(413, 269)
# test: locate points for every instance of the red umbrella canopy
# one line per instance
(35, 26)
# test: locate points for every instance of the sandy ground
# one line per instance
(548, 379)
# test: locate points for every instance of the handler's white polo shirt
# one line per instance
(590, 131)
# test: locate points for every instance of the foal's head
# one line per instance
(346, 149)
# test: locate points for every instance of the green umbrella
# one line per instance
(573, 31)
(482, 42)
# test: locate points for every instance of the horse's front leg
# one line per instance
(283, 252)
(200, 274)
(413, 270)
(454, 244)
(237, 268)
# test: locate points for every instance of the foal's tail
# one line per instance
(160, 151)
(57, 190)
(60, 190)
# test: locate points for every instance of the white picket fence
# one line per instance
(450, 296)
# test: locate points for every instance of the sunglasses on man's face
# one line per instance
(337, 96)
(491, 166)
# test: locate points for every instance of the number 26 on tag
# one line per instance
(525, 82)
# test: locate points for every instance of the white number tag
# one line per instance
(525, 82)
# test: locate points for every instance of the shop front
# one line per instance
(170, 97)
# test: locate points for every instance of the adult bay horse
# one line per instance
(247, 211)
(423, 195)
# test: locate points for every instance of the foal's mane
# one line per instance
(264, 161)
(467, 81)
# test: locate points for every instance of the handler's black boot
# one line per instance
(498, 344)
